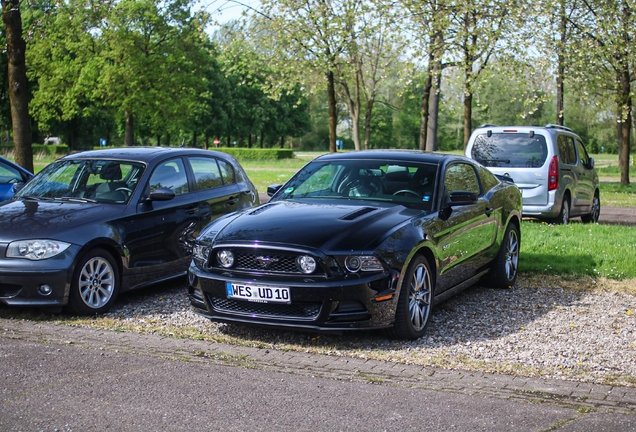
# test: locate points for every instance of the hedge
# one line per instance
(242, 153)
(49, 150)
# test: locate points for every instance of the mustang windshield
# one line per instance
(93, 180)
(405, 183)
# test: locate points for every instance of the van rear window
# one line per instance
(511, 150)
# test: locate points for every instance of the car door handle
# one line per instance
(192, 210)
(232, 200)
(488, 211)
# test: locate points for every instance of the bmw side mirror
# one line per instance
(161, 194)
(18, 186)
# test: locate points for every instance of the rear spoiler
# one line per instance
(504, 178)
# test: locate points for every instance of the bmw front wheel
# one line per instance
(95, 283)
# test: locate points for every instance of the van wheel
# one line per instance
(564, 216)
(595, 211)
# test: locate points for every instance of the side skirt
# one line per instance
(458, 288)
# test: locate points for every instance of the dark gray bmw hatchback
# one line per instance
(97, 223)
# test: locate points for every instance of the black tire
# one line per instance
(503, 271)
(415, 303)
(564, 215)
(95, 283)
(595, 211)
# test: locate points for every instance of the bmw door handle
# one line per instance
(488, 211)
(232, 200)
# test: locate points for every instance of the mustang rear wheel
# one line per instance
(503, 272)
(415, 302)
(95, 283)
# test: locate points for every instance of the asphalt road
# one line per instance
(61, 378)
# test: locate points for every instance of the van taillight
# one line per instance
(553, 174)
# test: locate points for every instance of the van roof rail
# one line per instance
(487, 125)
(556, 126)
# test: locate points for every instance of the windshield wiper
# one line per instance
(35, 198)
(76, 199)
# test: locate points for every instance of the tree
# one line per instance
(18, 85)
(606, 58)
(311, 36)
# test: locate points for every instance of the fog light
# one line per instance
(44, 290)
(225, 258)
(306, 264)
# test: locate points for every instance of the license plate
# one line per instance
(257, 293)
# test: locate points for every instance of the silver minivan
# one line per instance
(549, 165)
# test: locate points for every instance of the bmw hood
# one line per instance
(24, 219)
(328, 227)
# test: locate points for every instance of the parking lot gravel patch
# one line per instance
(578, 330)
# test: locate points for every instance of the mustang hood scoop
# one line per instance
(358, 213)
(315, 225)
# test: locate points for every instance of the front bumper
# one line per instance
(22, 281)
(346, 303)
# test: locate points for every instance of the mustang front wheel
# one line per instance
(415, 302)
(95, 283)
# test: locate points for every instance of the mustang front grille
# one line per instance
(268, 261)
(297, 310)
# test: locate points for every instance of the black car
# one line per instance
(360, 240)
(11, 175)
(97, 223)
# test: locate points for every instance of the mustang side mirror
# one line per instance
(457, 198)
(271, 190)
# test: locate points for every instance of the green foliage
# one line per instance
(269, 154)
(46, 151)
(578, 250)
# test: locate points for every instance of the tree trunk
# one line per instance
(333, 115)
(158, 140)
(468, 115)
(18, 85)
(194, 139)
(560, 119)
(130, 127)
(625, 120)
(282, 141)
(426, 95)
(433, 108)
(367, 123)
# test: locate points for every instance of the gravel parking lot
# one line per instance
(549, 327)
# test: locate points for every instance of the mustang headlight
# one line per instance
(363, 263)
(306, 264)
(225, 258)
(36, 249)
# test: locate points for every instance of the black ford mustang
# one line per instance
(360, 240)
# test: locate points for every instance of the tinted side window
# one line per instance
(206, 172)
(227, 172)
(584, 159)
(9, 175)
(461, 177)
(170, 174)
(567, 154)
(488, 180)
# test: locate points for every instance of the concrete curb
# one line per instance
(569, 394)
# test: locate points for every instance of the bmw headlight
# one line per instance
(201, 252)
(356, 263)
(36, 249)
